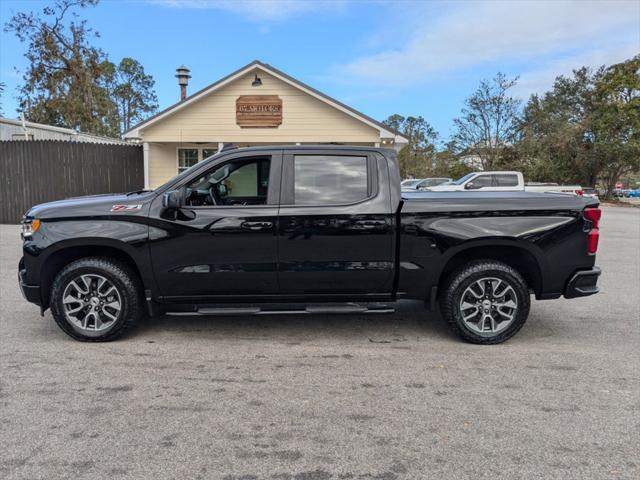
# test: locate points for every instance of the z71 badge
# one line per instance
(126, 208)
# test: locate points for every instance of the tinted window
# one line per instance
(506, 180)
(482, 181)
(329, 179)
(242, 182)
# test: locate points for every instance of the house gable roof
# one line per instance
(385, 131)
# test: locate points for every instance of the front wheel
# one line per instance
(485, 302)
(96, 299)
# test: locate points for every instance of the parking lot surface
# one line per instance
(330, 397)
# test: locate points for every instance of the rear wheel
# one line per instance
(96, 299)
(485, 302)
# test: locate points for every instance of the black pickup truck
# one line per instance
(305, 229)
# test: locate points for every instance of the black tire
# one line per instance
(457, 283)
(120, 276)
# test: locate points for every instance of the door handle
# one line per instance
(371, 223)
(255, 226)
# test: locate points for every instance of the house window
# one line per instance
(187, 158)
(208, 152)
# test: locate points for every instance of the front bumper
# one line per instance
(583, 283)
(31, 293)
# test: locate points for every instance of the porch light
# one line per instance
(256, 81)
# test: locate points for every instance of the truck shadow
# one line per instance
(410, 321)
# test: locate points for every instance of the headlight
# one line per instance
(29, 227)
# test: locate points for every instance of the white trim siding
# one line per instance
(145, 164)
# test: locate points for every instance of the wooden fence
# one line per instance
(38, 171)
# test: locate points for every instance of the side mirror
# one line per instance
(469, 186)
(171, 200)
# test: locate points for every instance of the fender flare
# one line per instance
(510, 242)
(139, 256)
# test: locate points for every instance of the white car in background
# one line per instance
(417, 184)
(502, 181)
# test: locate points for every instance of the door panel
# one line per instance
(219, 250)
(326, 249)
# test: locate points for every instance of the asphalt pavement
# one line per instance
(330, 397)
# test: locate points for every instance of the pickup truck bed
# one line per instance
(544, 231)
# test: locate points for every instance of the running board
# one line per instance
(347, 309)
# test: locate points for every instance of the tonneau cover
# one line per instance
(495, 201)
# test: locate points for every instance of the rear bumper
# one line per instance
(31, 293)
(583, 283)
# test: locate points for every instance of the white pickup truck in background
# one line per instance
(503, 181)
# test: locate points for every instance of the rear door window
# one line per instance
(506, 180)
(329, 179)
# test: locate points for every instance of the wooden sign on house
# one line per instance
(259, 111)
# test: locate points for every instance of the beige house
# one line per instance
(256, 105)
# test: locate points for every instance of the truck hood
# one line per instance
(93, 205)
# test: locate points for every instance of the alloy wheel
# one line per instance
(91, 303)
(488, 306)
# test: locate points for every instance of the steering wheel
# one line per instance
(213, 195)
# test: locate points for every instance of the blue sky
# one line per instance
(407, 57)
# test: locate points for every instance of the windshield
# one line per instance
(432, 182)
(409, 183)
(460, 181)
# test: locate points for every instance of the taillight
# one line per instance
(579, 192)
(592, 241)
(593, 215)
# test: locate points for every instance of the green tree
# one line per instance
(557, 134)
(66, 81)
(133, 93)
(73, 84)
(489, 121)
(585, 129)
(616, 122)
(448, 164)
(417, 158)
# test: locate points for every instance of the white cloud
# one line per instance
(477, 33)
(541, 80)
(258, 10)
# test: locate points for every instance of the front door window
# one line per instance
(482, 181)
(241, 182)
